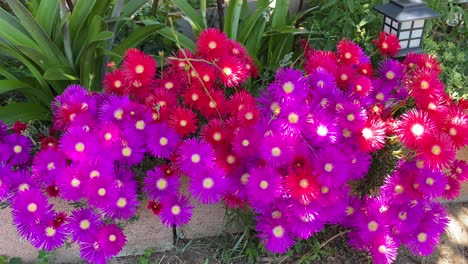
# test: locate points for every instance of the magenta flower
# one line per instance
(162, 140)
(332, 167)
(264, 186)
(157, 185)
(195, 157)
(15, 149)
(71, 184)
(78, 144)
(30, 206)
(47, 164)
(111, 239)
(176, 210)
(125, 206)
(101, 192)
(48, 237)
(277, 150)
(275, 235)
(209, 187)
(83, 224)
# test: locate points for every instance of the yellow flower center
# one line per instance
(208, 183)
(139, 69)
(320, 84)
(344, 77)
(367, 133)
(417, 130)
(118, 114)
(183, 123)
(51, 166)
(346, 133)
(126, 152)
(217, 136)
(75, 182)
(112, 238)
(436, 150)
(349, 210)
(350, 117)
(23, 187)
(230, 159)
(175, 210)
(399, 189)
(324, 189)
(372, 226)
(390, 75)
(288, 87)
(140, 125)
(169, 85)
(121, 202)
(380, 96)
(163, 141)
(384, 45)
(328, 167)
(101, 192)
(212, 45)
(276, 214)
(453, 131)
(194, 97)
(304, 183)
(94, 174)
(422, 237)
(249, 116)
(264, 184)
(358, 88)
(402, 216)
(206, 78)
(85, 224)
(32, 207)
(275, 108)
(424, 85)
(382, 249)
(227, 71)
(430, 181)
(293, 118)
(195, 158)
(50, 231)
(278, 231)
(245, 143)
(80, 147)
(347, 55)
(161, 184)
(276, 152)
(108, 136)
(17, 149)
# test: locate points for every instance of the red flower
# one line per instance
(213, 105)
(204, 73)
(436, 150)
(183, 121)
(194, 96)
(114, 82)
(233, 71)
(372, 136)
(59, 219)
(387, 44)
(429, 62)
(212, 44)
(49, 142)
(321, 59)
(348, 52)
(19, 127)
(302, 186)
(161, 102)
(52, 190)
(366, 69)
(239, 100)
(361, 86)
(154, 206)
(215, 133)
(138, 68)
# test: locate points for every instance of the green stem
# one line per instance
(154, 7)
(235, 19)
(66, 34)
(203, 11)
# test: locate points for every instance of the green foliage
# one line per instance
(43, 257)
(58, 47)
(338, 19)
(145, 258)
(453, 58)
(453, 21)
(6, 260)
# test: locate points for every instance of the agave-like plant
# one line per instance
(60, 43)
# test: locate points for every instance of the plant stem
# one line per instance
(235, 19)
(203, 11)
(333, 237)
(154, 7)
(219, 4)
(66, 34)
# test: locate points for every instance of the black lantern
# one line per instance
(406, 19)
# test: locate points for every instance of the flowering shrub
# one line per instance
(290, 155)
(104, 135)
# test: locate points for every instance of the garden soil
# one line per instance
(453, 248)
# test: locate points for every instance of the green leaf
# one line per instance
(235, 19)
(11, 85)
(132, 6)
(23, 112)
(191, 15)
(228, 17)
(184, 41)
(136, 37)
(97, 32)
(78, 17)
(37, 33)
(47, 15)
(16, 34)
(287, 30)
(60, 73)
(248, 26)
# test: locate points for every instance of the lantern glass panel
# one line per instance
(404, 44)
(417, 33)
(404, 35)
(386, 29)
(394, 24)
(419, 23)
(414, 43)
(406, 25)
(393, 31)
(388, 20)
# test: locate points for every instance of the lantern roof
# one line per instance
(406, 10)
